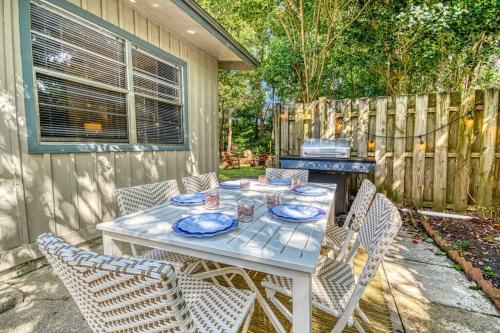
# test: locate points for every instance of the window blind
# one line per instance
(158, 99)
(80, 76)
(86, 78)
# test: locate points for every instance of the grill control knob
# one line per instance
(329, 165)
(316, 165)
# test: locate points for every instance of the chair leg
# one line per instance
(362, 314)
(358, 326)
(281, 308)
(225, 277)
(135, 253)
(207, 269)
(248, 319)
(331, 254)
(190, 269)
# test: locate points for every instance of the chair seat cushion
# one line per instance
(215, 308)
(332, 285)
(334, 236)
(178, 261)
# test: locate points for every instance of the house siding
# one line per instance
(69, 193)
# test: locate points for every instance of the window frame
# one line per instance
(36, 145)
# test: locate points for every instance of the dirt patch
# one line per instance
(477, 240)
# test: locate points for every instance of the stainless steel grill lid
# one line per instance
(339, 148)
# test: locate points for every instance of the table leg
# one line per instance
(110, 245)
(302, 303)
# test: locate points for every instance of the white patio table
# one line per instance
(265, 245)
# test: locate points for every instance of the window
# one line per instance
(89, 81)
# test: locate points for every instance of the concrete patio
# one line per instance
(424, 293)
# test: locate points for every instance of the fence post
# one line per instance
(465, 130)
(488, 141)
(441, 151)
(417, 188)
(381, 143)
(398, 184)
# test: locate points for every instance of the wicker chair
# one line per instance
(303, 175)
(337, 239)
(200, 183)
(137, 198)
(138, 295)
(335, 287)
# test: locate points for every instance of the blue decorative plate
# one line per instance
(189, 199)
(231, 184)
(205, 225)
(280, 181)
(297, 212)
(310, 190)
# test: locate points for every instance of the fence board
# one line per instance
(441, 151)
(381, 144)
(363, 121)
(488, 140)
(462, 175)
(345, 109)
(323, 118)
(398, 183)
(419, 150)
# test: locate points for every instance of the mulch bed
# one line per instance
(473, 244)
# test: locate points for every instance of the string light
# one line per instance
(469, 120)
(371, 143)
(421, 143)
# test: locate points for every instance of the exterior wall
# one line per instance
(68, 194)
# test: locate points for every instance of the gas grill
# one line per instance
(329, 161)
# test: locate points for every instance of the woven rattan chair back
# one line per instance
(118, 294)
(303, 175)
(360, 205)
(375, 236)
(136, 198)
(200, 183)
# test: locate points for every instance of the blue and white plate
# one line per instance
(280, 181)
(205, 225)
(189, 199)
(230, 184)
(297, 212)
(310, 190)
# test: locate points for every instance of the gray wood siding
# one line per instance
(68, 194)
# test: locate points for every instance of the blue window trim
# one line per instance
(34, 145)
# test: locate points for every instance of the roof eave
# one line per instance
(194, 10)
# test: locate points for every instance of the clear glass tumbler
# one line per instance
(262, 180)
(296, 183)
(244, 184)
(245, 210)
(212, 199)
(273, 199)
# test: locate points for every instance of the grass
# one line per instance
(245, 171)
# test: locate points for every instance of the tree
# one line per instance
(312, 29)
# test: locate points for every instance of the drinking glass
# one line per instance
(262, 180)
(273, 199)
(245, 210)
(212, 199)
(296, 183)
(244, 184)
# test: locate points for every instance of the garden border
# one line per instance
(472, 272)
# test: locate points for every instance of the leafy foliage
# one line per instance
(349, 49)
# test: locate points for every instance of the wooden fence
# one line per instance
(440, 150)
